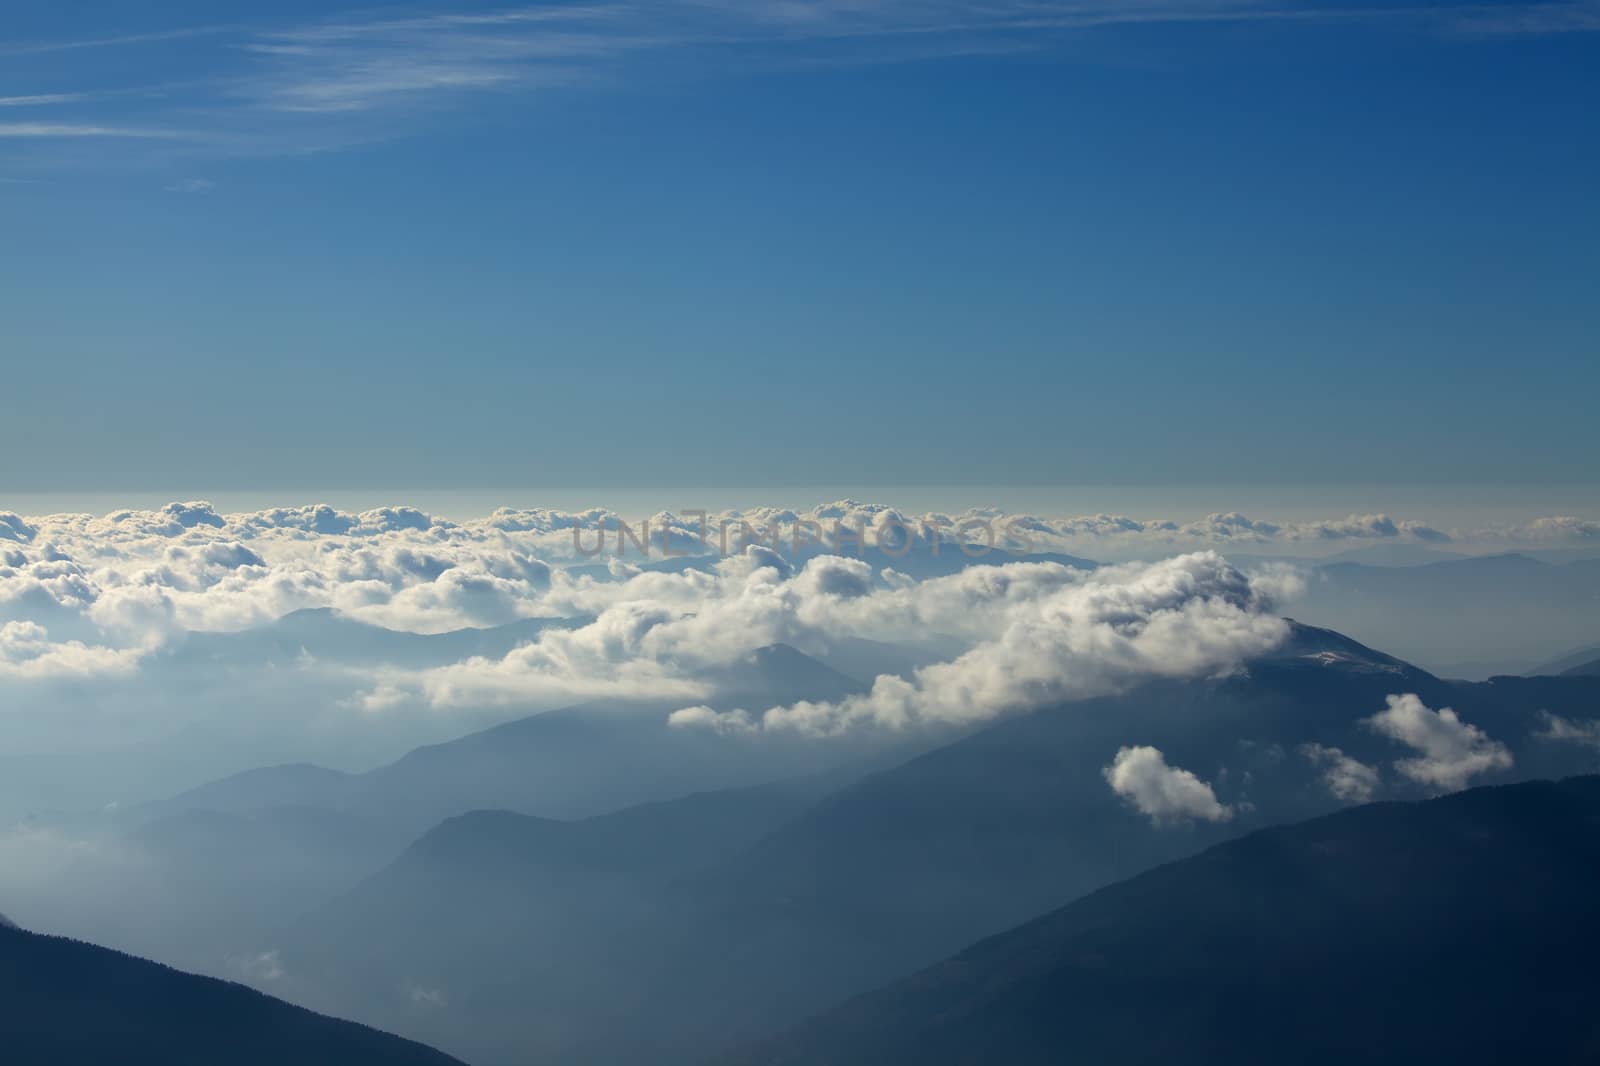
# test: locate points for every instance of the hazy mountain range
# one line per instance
(678, 927)
(73, 1004)
(1470, 617)
(1356, 936)
(594, 884)
(1584, 660)
(1457, 930)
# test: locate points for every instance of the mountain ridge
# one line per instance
(70, 1003)
(1287, 937)
(909, 863)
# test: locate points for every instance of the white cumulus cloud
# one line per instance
(1037, 634)
(1167, 794)
(1450, 752)
(1565, 730)
(1347, 778)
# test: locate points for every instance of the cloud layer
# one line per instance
(1036, 634)
(97, 592)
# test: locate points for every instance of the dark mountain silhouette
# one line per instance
(1458, 930)
(67, 1003)
(911, 863)
(1588, 669)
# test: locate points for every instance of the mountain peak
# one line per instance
(783, 672)
(1326, 647)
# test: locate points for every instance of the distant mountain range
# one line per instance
(323, 633)
(223, 866)
(570, 763)
(581, 953)
(1459, 930)
(1471, 616)
(525, 906)
(1578, 662)
(67, 1003)
(592, 885)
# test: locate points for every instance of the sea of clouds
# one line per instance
(85, 596)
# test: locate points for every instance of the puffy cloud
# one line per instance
(173, 520)
(197, 513)
(1565, 730)
(1555, 529)
(262, 968)
(28, 654)
(562, 667)
(135, 578)
(1451, 752)
(735, 722)
(43, 586)
(425, 998)
(138, 576)
(1036, 634)
(1347, 778)
(13, 527)
(1167, 794)
(315, 518)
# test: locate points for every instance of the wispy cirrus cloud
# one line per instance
(41, 100)
(343, 65)
(282, 87)
(44, 47)
(75, 129)
(1529, 19)
(192, 185)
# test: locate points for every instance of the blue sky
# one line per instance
(785, 243)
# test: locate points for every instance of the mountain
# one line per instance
(1458, 930)
(1392, 555)
(1470, 616)
(908, 864)
(1588, 669)
(570, 763)
(520, 904)
(268, 786)
(325, 634)
(1478, 669)
(226, 880)
(1572, 660)
(205, 878)
(67, 1003)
